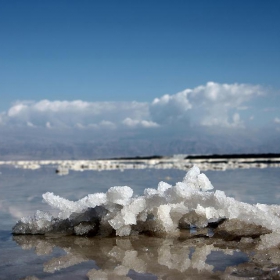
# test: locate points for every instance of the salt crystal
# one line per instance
(162, 210)
(119, 195)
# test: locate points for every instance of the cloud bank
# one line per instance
(211, 118)
(73, 114)
(210, 105)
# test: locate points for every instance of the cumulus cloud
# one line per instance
(213, 104)
(107, 124)
(277, 120)
(81, 114)
(137, 123)
(170, 108)
(228, 94)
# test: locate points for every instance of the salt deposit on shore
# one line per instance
(161, 212)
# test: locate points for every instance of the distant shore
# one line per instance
(181, 162)
(198, 156)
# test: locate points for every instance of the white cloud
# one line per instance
(48, 125)
(79, 125)
(130, 122)
(149, 124)
(137, 123)
(217, 121)
(170, 108)
(209, 105)
(107, 124)
(212, 104)
(229, 94)
(218, 103)
(77, 113)
(30, 124)
(17, 109)
(60, 106)
(277, 120)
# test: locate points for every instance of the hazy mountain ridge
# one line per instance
(40, 148)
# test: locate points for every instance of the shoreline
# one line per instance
(182, 162)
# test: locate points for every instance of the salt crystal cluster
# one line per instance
(164, 210)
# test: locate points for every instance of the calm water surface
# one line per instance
(138, 257)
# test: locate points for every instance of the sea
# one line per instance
(136, 257)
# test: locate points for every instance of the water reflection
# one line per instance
(141, 257)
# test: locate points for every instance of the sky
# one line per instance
(149, 66)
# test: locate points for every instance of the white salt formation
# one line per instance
(165, 210)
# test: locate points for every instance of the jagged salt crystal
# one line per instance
(163, 214)
(92, 200)
(191, 178)
(120, 195)
(117, 222)
(58, 202)
(204, 183)
(162, 187)
(195, 180)
(129, 212)
(150, 192)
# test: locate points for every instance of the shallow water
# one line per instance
(135, 257)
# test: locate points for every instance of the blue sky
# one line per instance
(125, 51)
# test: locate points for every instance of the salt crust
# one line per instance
(164, 210)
